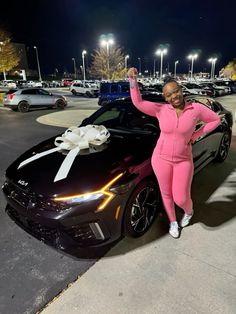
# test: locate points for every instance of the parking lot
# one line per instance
(136, 275)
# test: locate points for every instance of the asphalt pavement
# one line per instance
(158, 274)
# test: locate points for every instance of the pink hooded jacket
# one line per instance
(176, 132)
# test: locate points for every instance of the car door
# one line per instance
(45, 98)
(31, 96)
(206, 146)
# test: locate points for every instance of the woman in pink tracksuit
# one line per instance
(172, 159)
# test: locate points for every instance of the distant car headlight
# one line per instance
(104, 193)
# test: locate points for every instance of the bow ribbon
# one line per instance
(74, 139)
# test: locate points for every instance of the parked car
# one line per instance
(219, 90)
(223, 84)
(34, 84)
(110, 91)
(84, 89)
(196, 89)
(26, 98)
(8, 83)
(108, 192)
(66, 82)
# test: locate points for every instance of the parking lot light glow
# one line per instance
(83, 54)
(126, 58)
(37, 57)
(213, 63)
(176, 62)
(161, 53)
(192, 57)
(107, 41)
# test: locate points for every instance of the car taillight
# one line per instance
(11, 96)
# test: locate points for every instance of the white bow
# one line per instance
(74, 139)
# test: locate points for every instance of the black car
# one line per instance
(107, 193)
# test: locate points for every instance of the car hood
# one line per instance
(89, 171)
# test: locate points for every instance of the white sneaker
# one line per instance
(174, 229)
(185, 220)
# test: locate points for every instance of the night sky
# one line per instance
(62, 29)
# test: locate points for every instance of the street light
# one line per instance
(192, 57)
(213, 63)
(126, 58)
(37, 57)
(139, 69)
(161, 52)
(83, 54)
(154, 67)
(107, 41)
(73, 59)
(4, 73)
(176, 62)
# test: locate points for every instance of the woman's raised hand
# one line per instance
(132, 72)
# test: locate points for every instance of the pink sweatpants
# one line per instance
(174, 180)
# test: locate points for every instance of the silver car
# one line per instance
(23, 99)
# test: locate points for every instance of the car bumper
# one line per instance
(73, 228)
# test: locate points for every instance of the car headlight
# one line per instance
(104, 193)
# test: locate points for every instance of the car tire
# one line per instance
(224, 148)
(60, 104)
(23, 106)
(88, 94)
(141, 209)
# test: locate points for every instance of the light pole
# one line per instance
(4, 73)
(83, 54)
(192, 57)
(176, 62)
(154, 67)
(161, 53)
(126, 58)
(213, 64)
(107, 41)
(37, 57)
(73, 59)
(140, 68)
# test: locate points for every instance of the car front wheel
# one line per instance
(23, 106)
(60, 104)
(141, 209)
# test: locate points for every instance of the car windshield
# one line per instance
(123, 116)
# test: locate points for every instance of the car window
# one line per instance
(125, 88)
(109, 115)
(104, 88)
(29, 92)
(114, 88)
(43, 92)
(124, 116)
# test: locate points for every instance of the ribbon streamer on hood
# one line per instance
(74, 139)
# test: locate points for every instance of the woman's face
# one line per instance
(173, 94)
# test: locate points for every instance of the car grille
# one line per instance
(28, 199)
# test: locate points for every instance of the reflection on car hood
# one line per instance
(89, 171)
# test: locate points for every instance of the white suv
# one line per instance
(78, 88)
